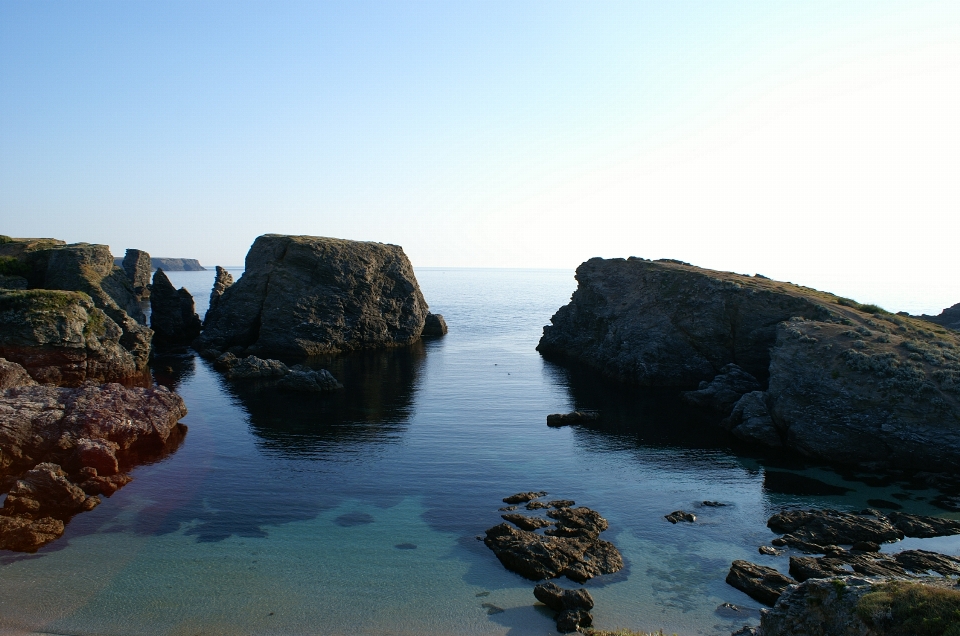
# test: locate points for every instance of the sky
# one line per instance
(814, 142)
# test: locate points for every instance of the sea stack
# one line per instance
(136, 264)
(172, 316)
(307, 295)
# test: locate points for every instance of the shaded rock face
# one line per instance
(758, 582)
(136, 265)
(223, 280)
(725, 390)
(668, 324)
(302, 296)
(842, 385)
(949, 317)
(172, 315)
(62, 338)
(69, 445)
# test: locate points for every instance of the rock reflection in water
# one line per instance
(636, 416)
(374, 405)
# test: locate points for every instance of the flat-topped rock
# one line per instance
(305, 295)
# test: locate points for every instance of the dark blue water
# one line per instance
(356, 513)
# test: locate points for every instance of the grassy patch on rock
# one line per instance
(911, 608)
(10, 266)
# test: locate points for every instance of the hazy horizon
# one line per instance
(811, 142)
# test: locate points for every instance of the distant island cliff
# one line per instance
(790, 367)
(170, 264)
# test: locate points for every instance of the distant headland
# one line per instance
(170, 264)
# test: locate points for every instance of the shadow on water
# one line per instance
(373, 407)
(636, 416)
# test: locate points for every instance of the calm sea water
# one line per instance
(282, 514)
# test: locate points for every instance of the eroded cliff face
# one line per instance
(662, 323)
(304, 295)
(838, 381)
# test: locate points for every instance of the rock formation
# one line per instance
(434, 325)
(177, 264)
(572, 606)
(297, 378)
(172, 315)
(136, 264)
(223, 280)
(61, 337)
(571, 546)
(556, 420)
(65, 446)
(302, 296)
(844, 382)
(949, 317)
(82, 267)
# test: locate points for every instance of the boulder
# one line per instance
(760, 583)
(434, 325)
(572, 548)
(679, 515)
(726, 388)
(62, 338)
(253, 367)
(302, 296)
(751, 421)
(46, 491)
(23, 534)
(172, 316)
(222, 281)
(13, 375)
(136, 265)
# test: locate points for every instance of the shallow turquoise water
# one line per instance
(281, 514)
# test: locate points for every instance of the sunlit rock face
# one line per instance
(306, 295)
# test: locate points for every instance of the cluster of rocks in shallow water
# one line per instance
(60, 448)
(569, 545)
(824, 531)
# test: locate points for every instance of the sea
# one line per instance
(360, 512)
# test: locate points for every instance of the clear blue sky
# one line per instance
(816, 142)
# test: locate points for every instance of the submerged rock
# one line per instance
(679, 515)
(556, 420)
(172, 315)
(305, 380)
(303, 295)
(523, 497)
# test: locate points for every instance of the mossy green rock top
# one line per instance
(62, 338)
(308, 295)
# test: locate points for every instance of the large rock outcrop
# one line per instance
(82, 267)
(173, 317)
(62, 338)
(305, 295)
(836, 380)
(949, 317)
(62, 447)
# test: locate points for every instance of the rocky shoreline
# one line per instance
(786, 367)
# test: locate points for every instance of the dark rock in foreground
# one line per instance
(303, 296)
(572, 606)
(758, 582)
(556, 420)
(172, 315)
